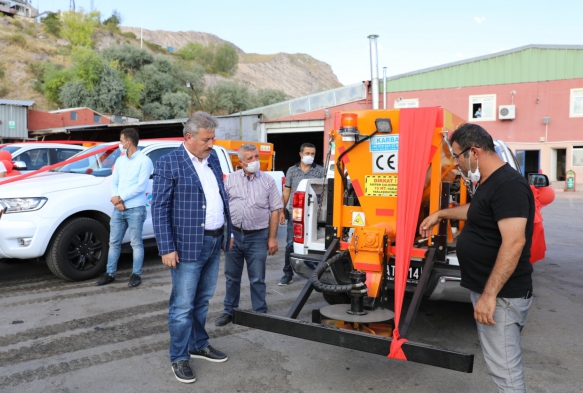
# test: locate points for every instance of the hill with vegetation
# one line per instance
(75, 59)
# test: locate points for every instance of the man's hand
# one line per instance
(232, 243)
(282, 217)
(170, 259)
(484, 310)
(428, 224)
(272, 246)
(120, 206)
(115, 199)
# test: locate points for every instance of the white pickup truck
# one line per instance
(63, 215)
(444, 282)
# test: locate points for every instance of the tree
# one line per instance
(156, 111)
(266, 97)
(78, 27)
(52, 24)
(130, 58)
(227, 97)
(177, 104)
(215, 59)
(225, 59)
(92, 82)
(115, 19)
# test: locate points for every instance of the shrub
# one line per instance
(4, 91)
(17, 39)
(17, 23)
(155, 47)
(129, 34)
(129, 57)
(1, 72)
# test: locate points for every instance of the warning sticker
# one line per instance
(380, 185)
(358, 219)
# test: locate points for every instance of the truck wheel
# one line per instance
(336, 298)
(78, 251)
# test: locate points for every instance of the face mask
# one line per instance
(122, 149)
(252, 167)
(308, 160)
(473, 177)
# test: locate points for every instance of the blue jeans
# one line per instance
(501, 342)
(252, 249)
(193, 285)
(120, 221)
(289, 247)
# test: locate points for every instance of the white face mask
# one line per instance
(307, 160)
(252, 167)
(122, 149)
(473, 178)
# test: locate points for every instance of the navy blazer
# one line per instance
(179, 205)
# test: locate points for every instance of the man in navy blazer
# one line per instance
(190, 212)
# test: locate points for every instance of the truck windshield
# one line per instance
(100, 164)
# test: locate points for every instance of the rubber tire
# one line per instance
(56, 256)
(336, 298)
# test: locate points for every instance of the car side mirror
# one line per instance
(538, 180)
(19, 165)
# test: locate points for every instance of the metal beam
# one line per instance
(415, 352)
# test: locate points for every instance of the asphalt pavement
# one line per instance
(58, 336)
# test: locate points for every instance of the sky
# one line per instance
(413, 34)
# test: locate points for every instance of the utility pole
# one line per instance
(72, 5)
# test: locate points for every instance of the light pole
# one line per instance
(192, 95)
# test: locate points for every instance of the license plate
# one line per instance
(414, 273)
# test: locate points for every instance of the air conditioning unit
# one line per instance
(506, 112)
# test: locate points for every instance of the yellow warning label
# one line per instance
(358, 219)
(380, 185)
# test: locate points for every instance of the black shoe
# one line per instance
(183, 372)
(135, 280)
(285, 280)
(210, 354)
(223, 320)
(106, 279)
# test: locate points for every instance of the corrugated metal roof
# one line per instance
(16, 102)
(531, 63)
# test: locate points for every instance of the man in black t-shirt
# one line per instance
(493, 250)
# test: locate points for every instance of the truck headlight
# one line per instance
(17, 205)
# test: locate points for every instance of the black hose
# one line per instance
(339, 159)
(332, 288)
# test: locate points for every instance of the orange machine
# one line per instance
(392, 169)
(266, 152)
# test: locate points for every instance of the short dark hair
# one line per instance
(304, 145)
(132, 135)
(472, 135)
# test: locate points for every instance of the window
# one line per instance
(577, 156)
(73, 115)
(408, 103)
(96, 118)
(482, 107)
(576, 106)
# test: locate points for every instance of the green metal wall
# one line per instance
(528, 65)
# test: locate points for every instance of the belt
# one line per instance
(246, 231)
(214, 232)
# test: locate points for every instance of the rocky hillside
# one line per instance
(296, 74)
(23, 45)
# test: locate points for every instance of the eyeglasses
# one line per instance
(456, 156)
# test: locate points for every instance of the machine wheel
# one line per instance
(336, 298)
(78, 250)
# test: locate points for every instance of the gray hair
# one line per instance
(200, 120)
(244, 148)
